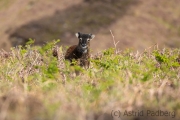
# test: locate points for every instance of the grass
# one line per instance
(4, 4)
(34, 85)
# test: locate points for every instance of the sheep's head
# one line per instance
(84, 40)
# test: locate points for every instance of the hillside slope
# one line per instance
(137, 24)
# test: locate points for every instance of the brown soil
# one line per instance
(136, 24)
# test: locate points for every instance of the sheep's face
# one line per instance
(84, 39)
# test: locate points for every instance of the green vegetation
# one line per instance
(34, 85)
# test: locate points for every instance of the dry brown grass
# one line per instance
(136, 25)
(35, 85)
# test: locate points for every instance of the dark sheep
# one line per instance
(81, 51)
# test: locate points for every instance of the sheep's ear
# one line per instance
(92, 36)
(77, 34)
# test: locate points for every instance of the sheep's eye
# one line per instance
(88, 39)
(80, 38)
